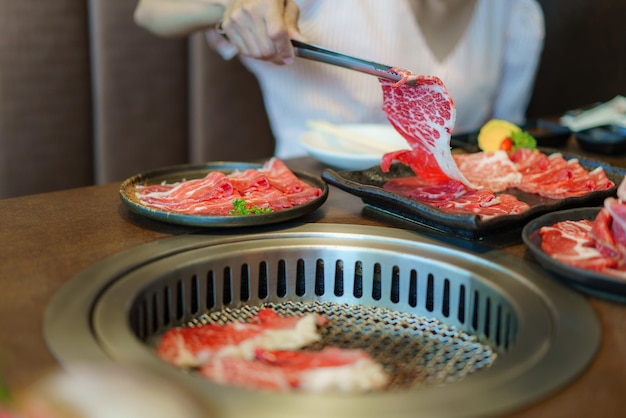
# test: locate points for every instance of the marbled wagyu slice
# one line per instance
(424, 114)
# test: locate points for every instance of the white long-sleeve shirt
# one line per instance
(490, 73)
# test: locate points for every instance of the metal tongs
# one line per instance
(317, 53)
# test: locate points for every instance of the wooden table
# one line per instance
(46, 239)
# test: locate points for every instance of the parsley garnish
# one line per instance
(4, 394)
(523, 139)
(240, 207)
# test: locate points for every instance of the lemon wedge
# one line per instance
(494, 132)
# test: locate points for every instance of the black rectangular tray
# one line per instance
(367, 184)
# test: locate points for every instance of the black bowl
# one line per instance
(606, 139)
(547, 134)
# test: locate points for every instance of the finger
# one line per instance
(292, 14)
(255, 35)
(234, 38)
(277, 28)
(254, 38)
(243, 31)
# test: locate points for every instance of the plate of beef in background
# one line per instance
(589, 281)
(173, 174)
(368, 185)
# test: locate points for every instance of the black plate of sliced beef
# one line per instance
(586, 279)
(368, 185)
(233, 217)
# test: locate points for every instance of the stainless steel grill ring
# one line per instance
(462, 333)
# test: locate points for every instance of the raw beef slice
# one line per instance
(569, 242)
(195, 346)
(424, 114)
(332, 368)
(492, 170)
(274, 186)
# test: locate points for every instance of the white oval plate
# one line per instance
(368, 144)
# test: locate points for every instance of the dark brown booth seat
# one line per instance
(86, 97)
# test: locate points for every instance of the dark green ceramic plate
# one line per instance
(193, 171)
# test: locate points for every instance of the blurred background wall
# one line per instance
(86, 97)
(584, 59)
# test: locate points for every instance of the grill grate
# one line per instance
(398, 281)
(415, 351)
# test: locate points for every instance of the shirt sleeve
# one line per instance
(524, 45)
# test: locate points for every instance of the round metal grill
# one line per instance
(461, 334)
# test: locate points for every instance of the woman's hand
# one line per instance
(256, 28)
(263, 28)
